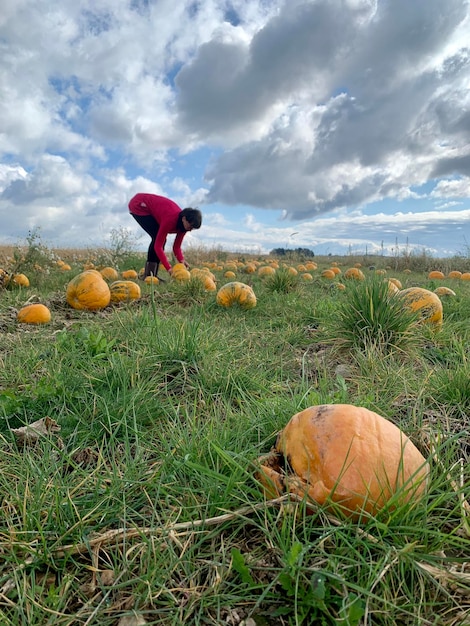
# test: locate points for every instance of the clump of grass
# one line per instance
(282, 282)
(452, 388)
(189, 292)
(372, 315)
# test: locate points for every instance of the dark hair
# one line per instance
(194, 217)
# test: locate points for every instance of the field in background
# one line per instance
(140, 506)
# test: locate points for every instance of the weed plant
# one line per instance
(141, 505)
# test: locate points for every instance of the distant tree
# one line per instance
(278, 252)
(302, 252)
(305, 252)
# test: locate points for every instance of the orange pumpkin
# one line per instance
(88, 291)
(109, 273)
(124, 291)
(266, 270)
(34, 314)
(180, 273)
(354, 273)
(20, 279)
(454, 274)
(436, 275)
(236, 293)
(129, 274)
(151, 280)
(424, 302)
(396, 282)
(310, 266)
(344, 456)
(444, 291)
(329, 274)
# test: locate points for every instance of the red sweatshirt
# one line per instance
(166, 213)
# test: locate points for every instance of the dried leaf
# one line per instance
(31, 433)
(85, 458)
(107, 577)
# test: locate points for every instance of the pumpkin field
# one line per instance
(256, 441)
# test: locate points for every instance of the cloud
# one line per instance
(307, 108)
(391, 127)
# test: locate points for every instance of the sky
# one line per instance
(342, 126)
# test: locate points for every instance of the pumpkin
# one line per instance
(454, 274)
(236, 293)
(392, 288)
(444, 291)
(335, 269)
(306, 277)
(436, 275)
(266, 270)
(124, 291)
(34, 314)
(20, 279)
(209, 283)
(328, 274)
(65, 267)
(129, 275)
(230, 275)
(292, 271)
(465, 276)
(109, 273)
(396, 282)
(250, 268)
(424, 302)
(344, 457)
(88, 291)
(406, 271)
(180, 273)
(354, 273)
(151, 280)
(310, 266)
(4, 277)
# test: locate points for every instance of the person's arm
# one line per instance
(177, 251)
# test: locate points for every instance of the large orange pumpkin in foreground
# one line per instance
(88, 291)
(340, 455)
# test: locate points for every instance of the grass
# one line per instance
(142, 506)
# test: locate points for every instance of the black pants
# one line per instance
(151, 226)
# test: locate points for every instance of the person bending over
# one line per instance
(160, 217)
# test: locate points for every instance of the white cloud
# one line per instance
(308, 108)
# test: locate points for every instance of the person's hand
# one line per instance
(186, 265)
(170, 271)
